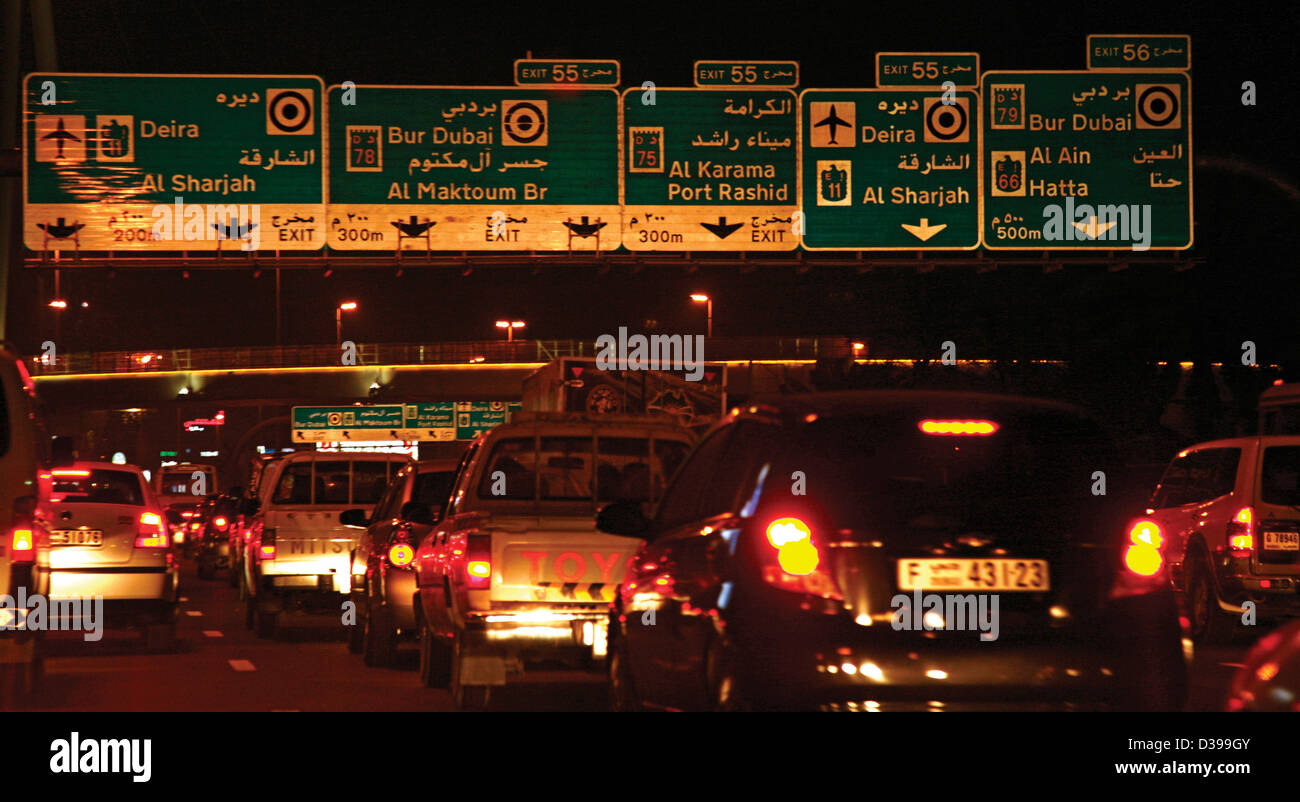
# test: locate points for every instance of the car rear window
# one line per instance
(96, 487)
(882, 473)
(1280, 476)
(433, 487)
(576, 468)
(333, 482)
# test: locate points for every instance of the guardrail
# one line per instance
(716, 349)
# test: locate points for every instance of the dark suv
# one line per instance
(894, 550)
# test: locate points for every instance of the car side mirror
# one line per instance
(356, 518)
(173, 517)
(623, 518)
(417, 512)
(62, 452)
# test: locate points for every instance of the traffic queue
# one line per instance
(852, 550)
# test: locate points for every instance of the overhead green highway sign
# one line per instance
(890, 169)
(173, 162)
(710, 170)
(424, 421)
(473, 168)
(1087, 160)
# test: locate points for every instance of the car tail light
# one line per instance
(1241, 533)
(958, 427)
(22, 538)
(266, 548)
(478, 562)
(220, 523)
(1144, 564)
(150, 532)
(401, 554)
(73, 472)
(793, 562)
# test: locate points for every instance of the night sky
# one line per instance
(1246, 229)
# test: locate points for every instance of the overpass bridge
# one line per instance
(219, 404)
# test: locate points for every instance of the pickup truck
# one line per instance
(516, 570)
(298, 556)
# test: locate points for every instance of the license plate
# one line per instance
(77, 537)
(1282, 541)
(999, 574)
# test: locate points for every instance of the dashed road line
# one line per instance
(242, 665)
(194, 612)
(213, 633)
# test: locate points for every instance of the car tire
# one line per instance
(267, 624)
(357, 630)
(722, 686)
(435, 659)
(466, 698)
(622, 693)
(1210, 626)
(379, 636)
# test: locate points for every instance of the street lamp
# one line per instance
(701, 298)
(510, 326)
(346, 306)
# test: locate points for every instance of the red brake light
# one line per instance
(958, 427)
(797, 564)
(1143, 561)
(220, 522)
(401, 554)
(23, 545)
(150, 532)
(1241, 533)
(478, 562)
(266, 551)
(80, 474)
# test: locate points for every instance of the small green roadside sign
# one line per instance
(1139, 52)
(568, 72)
(747, 73)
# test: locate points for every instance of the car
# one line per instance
(1268, 679)
(893, 550)
(298, 556)
(515, 570)
(109, 539)
(184, 488)
(24, 537)
(1227, 511)
(383, 577)
(220, 516)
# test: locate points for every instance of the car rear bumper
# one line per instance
(1135, 661)
(114, 582)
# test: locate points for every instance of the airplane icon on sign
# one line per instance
(61, 136)
(834, 122)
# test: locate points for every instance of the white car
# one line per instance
(1227, 515)
(109, 538)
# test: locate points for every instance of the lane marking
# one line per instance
(242, 665)
(213, 633)
(193, 612)
(185, 598)
(1233, 665)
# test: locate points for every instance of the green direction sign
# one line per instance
(710, 170)
(473, 169)
(928, 69)
(173, 162)
(890, 169)
(1087, 160)
(1125, 53)
(473, 417)
(570, 72)
(746, 73)
(371, 422)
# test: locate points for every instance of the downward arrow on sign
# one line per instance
(924, 231)
(1092, 228)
